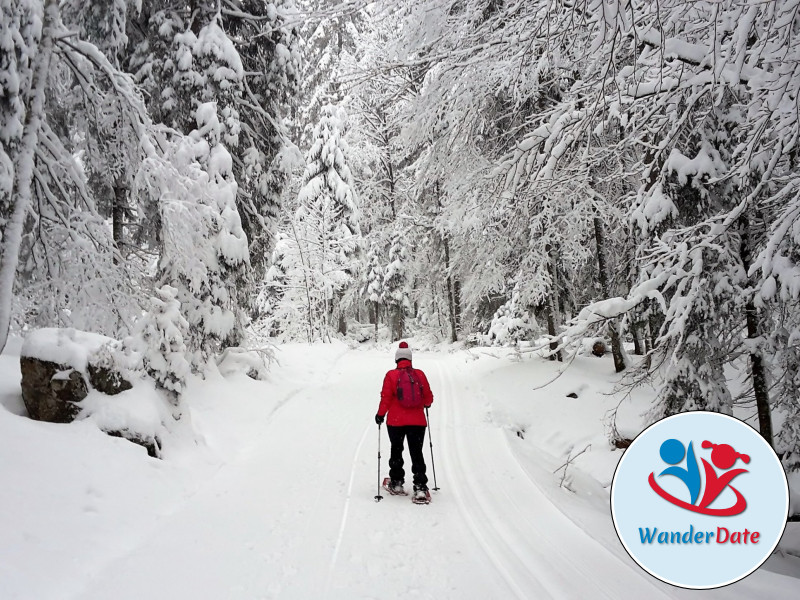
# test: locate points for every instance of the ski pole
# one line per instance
(430, 440)
(378, 497)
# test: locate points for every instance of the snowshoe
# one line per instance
(421, 495)
(394, 488)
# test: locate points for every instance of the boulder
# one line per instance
(107, 380)
(58, 368)
(599, 348)
(51, 390)
(152, 445)
(621, 442)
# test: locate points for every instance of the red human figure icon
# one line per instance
(724, 457)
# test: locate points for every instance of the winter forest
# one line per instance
(194, 177)
(187, 186)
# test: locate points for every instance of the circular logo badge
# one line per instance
(699, 500)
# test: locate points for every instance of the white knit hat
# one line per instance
(403, 352)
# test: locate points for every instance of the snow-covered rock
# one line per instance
(70, 375)
(55, 377)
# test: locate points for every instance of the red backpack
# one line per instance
(409, 389)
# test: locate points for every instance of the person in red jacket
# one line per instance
(405, 396)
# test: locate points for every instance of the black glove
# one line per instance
(379, 419)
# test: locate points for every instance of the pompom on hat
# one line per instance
(403, 352)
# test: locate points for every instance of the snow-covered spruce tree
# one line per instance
(511, 323)
(327, 35)
(243, 57)
(372, 286)
(160, 340)
(396, 284)
(729, 168)
(706, 288)
(204, 253)
(268, 45)
(199, 66)
(183, 57)
(283, 295)
(275, 280)
(777, 254)
(326, 228)
(778, 265)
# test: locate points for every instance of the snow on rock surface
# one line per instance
(68, 347)
(269, 494)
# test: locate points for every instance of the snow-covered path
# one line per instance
(288, 511)
(293, 515)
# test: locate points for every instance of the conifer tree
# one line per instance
(280, 299)
(372, 289)
(395, 286)
(245, 58)
(160, 338)
(204, 253)
(327, 228)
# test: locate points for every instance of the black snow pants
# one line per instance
(416, 436)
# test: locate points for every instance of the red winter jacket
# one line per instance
(398, 414)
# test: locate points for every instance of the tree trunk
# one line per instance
(309, 305)
(377, 318)
(21, 191)
(638, 349)
(452, 302)
(654, 322)
(118, 220)
(551, 328)
(397, 322)
(390, 169)
(451, 299)
(457, 300)
(551, 305)
(760, 387)
(602, 267)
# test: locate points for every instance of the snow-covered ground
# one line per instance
(267, 491)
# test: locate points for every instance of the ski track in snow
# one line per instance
(345, 513)
(478, 526)
(539, 552)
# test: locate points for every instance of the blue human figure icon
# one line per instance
(672, 452)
